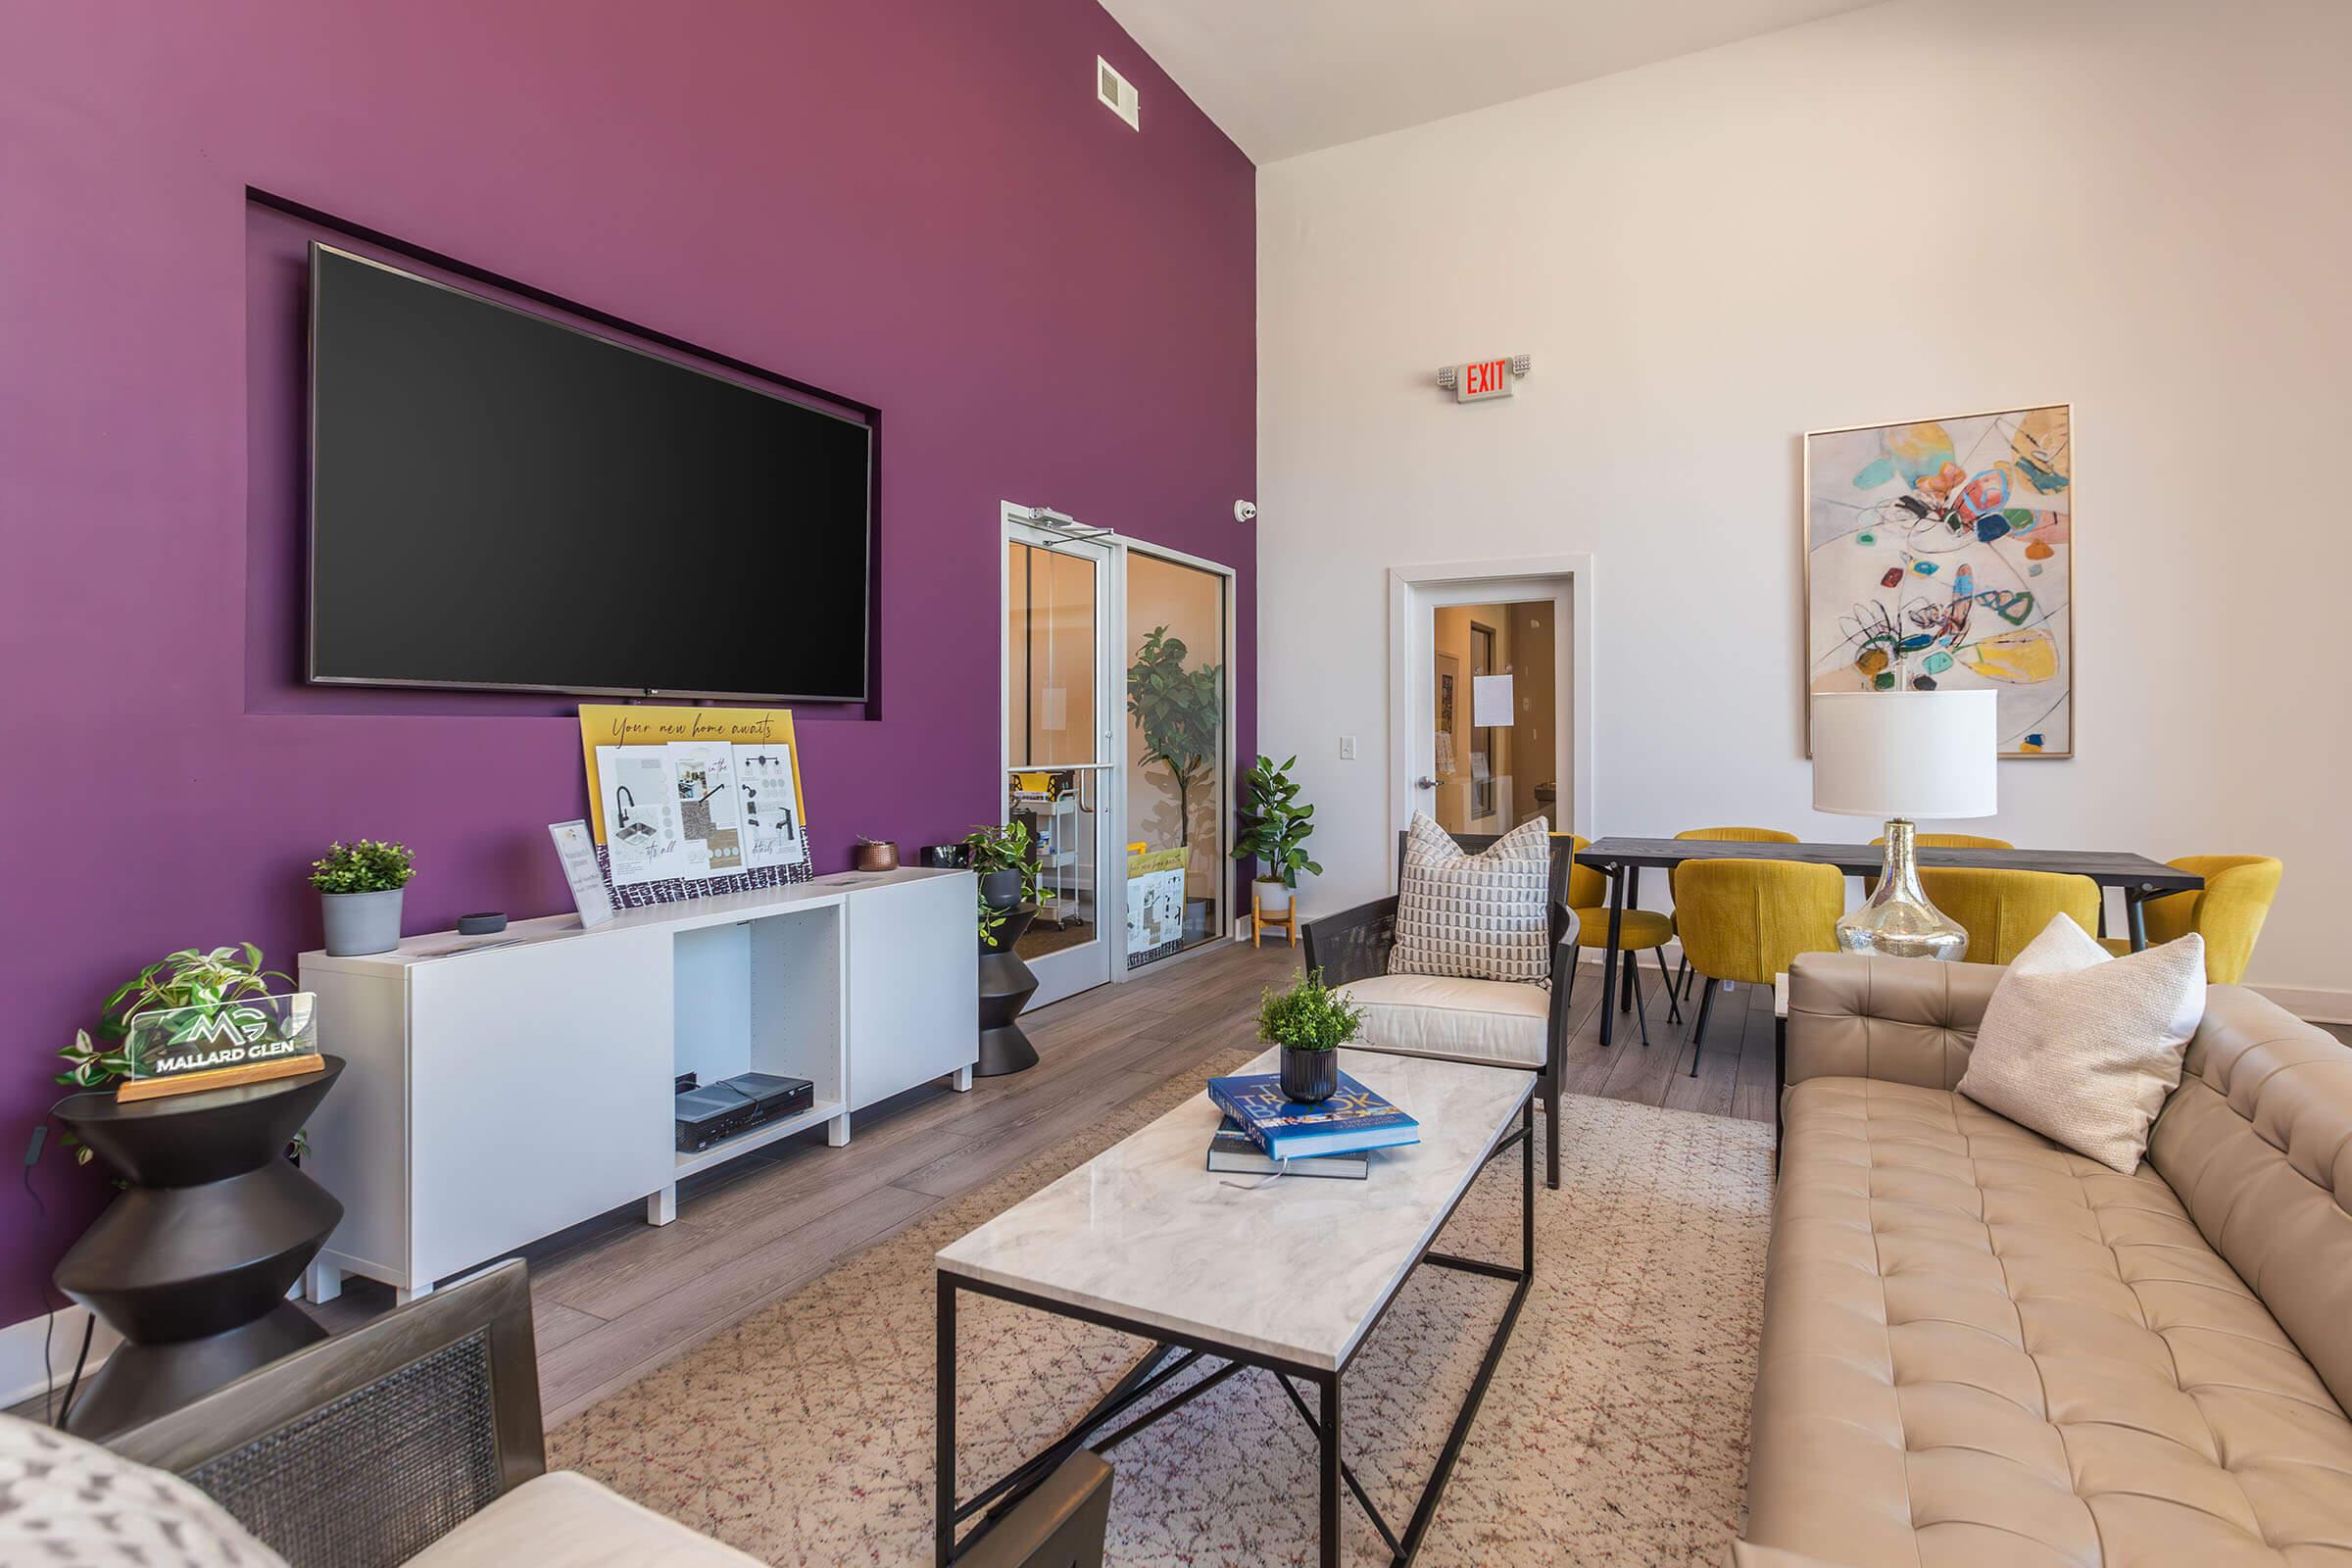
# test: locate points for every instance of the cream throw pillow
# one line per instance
(2082, 1046)
(1483, 916)
(73, 1504)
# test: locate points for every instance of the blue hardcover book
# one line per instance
(1353, 1118)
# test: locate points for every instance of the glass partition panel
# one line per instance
(1177, 869)
(1050, 671)
(1061, 807)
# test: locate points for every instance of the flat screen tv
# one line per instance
(503, 501)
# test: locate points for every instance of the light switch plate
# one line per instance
(1347, 748)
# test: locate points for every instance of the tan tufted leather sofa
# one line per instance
(1979, 1349)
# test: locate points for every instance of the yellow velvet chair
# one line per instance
(1938, 841)
(1588, 897)
(2004, 909)
(2228, 912)
(1744, 920)
(1719, 835)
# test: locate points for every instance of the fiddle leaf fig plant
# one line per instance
(1179, 714)
(1274, 826)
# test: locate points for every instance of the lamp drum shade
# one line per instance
(1907, 753)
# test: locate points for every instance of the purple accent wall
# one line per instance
(916, 205)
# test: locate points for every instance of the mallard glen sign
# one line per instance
(180, 1049)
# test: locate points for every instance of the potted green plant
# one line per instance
(189, 978)
(1309, 1022)
(1274, 826)
(360, 888)
(1008, 878)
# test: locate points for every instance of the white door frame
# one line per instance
(1414, 591)
(1111, 636)
(1077, 972)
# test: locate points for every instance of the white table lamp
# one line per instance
(1899, 755)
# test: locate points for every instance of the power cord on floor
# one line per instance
(52, 1413)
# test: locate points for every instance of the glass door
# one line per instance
(1489, 755)
(1058, 764)
(1178, 617)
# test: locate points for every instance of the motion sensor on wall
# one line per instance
(1245, 511)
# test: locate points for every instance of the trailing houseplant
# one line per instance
(1274, 826)
(192, 977)
(1309, 1021)
(1004, 855)
(360, 887)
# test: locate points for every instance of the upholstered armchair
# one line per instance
(1489, 1022)
(416, 1439)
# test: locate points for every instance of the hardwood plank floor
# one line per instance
(614, 1299)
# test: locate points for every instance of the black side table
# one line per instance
(192, 1263)
(1005, 986)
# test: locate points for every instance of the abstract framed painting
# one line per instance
(1939, 556)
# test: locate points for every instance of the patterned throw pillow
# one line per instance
(66, 1503)
(1483, 916)
(2082, 1046)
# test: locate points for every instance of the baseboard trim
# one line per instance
(22, 1376)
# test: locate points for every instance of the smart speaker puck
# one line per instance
(481, 926)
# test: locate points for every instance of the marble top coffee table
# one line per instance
(1289, 1277)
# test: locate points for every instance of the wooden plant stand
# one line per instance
(1259, 921)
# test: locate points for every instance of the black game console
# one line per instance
(713, 1113)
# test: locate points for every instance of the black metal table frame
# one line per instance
(1150, 1375)
(1625, 887)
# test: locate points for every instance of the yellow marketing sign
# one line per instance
(621, 724)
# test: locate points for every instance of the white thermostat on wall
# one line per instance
(1481, 380)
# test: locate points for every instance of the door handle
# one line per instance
(1425, 783)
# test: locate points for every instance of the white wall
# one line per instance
(2138, 206)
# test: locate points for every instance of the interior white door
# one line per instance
(1490, 668)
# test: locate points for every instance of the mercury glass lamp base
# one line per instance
(1896, 921)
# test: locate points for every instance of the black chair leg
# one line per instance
(1698, 1035)
(1626, 989)
(1551, 1139)
(1641, 1002)
(1674, 1006)
(1568, 999)
(1688, 976)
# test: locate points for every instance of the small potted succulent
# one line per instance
(1309, 1022)
(1002, 855)
(359, 885)
(1274, 826)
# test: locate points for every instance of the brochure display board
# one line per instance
(1154, 904)
(688, 802)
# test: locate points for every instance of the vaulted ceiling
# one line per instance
(1287, 76)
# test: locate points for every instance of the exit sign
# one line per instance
(1481, 380)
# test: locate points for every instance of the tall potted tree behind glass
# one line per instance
(1180, 714)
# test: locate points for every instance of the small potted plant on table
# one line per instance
(359, 891)
(1009, 876)
(1274, 829)
(1309, 1022)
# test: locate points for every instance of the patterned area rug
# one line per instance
(1615, 1430)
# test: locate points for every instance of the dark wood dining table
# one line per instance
(1623, 861)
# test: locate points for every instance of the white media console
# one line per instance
(499, 1089)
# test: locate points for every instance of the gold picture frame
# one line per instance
(1939, 551)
